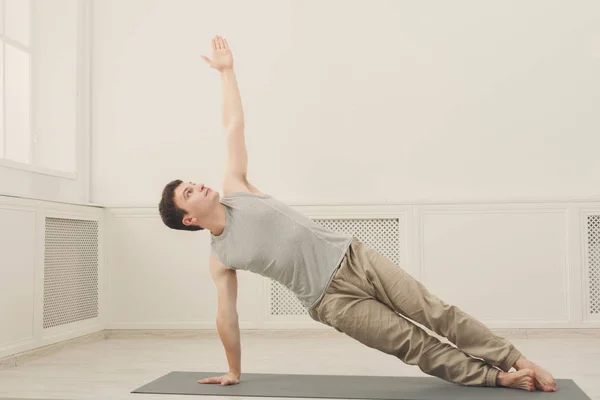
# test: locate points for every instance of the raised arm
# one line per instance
(225, 280)
(232, 113)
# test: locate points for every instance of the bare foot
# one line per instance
(543, 379)
(522, 379)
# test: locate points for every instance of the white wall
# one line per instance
(409, 100)
(490, 106)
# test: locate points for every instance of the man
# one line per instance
(342, 282)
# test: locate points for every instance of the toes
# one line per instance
(530, 385)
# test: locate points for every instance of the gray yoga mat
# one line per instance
(347, 387)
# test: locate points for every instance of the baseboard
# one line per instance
(19, 359)
(568, 333)
(521, 333)
(308, 324)
(213, 334)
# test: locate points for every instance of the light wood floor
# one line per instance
(112, 368)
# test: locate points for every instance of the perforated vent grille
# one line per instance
(380, 234)
(70, 271)
(593, 243)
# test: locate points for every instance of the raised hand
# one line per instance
(222, 58)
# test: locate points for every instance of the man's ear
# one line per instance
(189, 220)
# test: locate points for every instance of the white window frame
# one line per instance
(23, 180)
(5, 162)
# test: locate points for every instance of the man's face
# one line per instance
(198, 200)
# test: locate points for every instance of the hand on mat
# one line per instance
(222, 58)
(224, 380)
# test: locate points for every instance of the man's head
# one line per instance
(186, 205)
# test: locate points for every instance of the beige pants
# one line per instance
(367, 299)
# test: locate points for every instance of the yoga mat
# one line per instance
(347, 387)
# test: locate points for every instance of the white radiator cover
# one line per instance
(592, 241)
(381, 234)
(53, 254)
(71, 260)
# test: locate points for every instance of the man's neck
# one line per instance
(217, 225)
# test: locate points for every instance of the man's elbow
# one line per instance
(237, 125)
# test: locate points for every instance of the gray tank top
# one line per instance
(267, 237)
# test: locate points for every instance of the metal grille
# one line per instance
(70, 271)
(593, 243)
(381, 234)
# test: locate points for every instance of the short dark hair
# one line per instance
(171, 214)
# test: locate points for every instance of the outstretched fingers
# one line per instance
(219, 43)
(210, 380)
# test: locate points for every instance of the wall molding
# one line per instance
(422, 212)
(580, 201)
(411, 218)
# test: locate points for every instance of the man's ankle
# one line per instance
(521, 363)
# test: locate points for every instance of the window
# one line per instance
(39, 85)
(45, 99)
(15, 77)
